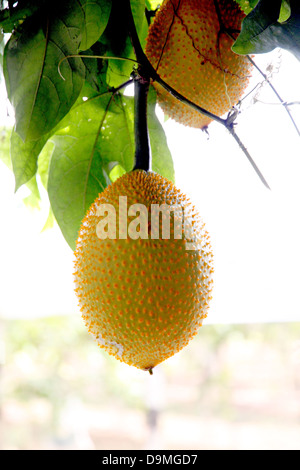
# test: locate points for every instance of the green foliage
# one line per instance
(161, 156)
(11, 18)
(24, 157)
(96, 15)
(33, 199)
(247, 5)
(153, 4)
(270, 25)
(86, 151)
(4, 147)
(39, 95)
(74, 124)
(66, 64)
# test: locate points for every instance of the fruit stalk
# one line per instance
(142, 147)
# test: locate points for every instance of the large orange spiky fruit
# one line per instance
(192, 53)
(143, 292)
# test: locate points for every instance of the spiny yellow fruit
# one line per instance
(143, 292)
(192, 53)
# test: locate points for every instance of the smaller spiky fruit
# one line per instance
(143, 281)
(190, 50)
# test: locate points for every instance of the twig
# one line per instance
(286, 103)
(242, 146)
(282, 102)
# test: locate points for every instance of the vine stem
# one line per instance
(146, 69)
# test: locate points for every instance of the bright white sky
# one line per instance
(255, 232)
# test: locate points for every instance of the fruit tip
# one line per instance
(149, 369)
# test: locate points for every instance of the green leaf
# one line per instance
(98, 135)
(92, 150)
(96, 16)
(119, 45)
(261, 32)
(153, 4)
(285, 11)
(287, 35)
(50, 222)
(162, 162)
(44, 162)
(116, 173)
(4, 146)
(11, 17)
(32, 201)
(140, 20)
(1, 55)
(24, 156)
(41, 98)
(96, 68)
(247, 5)
(255, 28)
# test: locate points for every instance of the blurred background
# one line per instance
(233, 387)
(237, 384)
